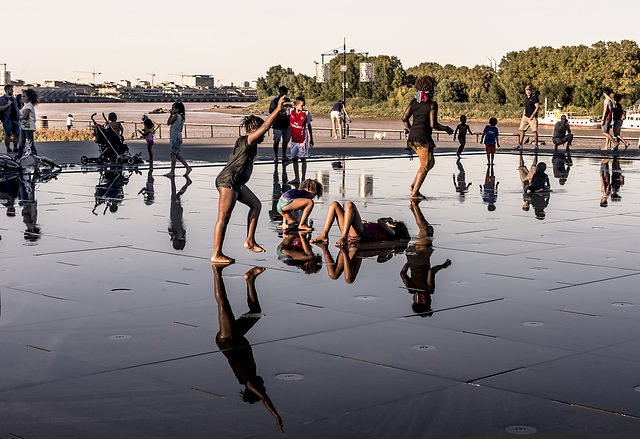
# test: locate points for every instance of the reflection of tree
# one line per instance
(421, 282)
(232, 341)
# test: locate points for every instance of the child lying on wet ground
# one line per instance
(354, 229)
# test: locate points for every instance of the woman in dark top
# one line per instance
(425, 119)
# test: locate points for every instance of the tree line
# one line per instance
(570, 77)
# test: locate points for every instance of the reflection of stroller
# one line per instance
(110, 190)
(113, 150)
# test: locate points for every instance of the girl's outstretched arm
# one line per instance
(254, 135)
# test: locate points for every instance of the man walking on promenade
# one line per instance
(281, 129)
(529, 116)
(10, 116)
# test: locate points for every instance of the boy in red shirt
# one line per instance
(301, 137)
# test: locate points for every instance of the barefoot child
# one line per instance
(231, 184)
(490, 138)
(301, 137)
(461, 131)
(176, 122)
(299, 199)
(147, 133)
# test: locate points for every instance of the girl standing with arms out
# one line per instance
(425, 119)
(28, 121)
(176, 122)
(231, 185)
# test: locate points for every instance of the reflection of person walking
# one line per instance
(176, 122)
(421, 283)
(424, 111)
(234, 345)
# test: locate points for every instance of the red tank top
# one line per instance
(298, 126)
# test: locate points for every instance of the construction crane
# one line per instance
(153, 75)
(92, 72)
(182, 75)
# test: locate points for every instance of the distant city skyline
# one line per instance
(129, 40)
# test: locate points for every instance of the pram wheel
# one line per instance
(84, 159)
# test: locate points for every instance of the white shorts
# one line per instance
(300, 149)
(335, 114)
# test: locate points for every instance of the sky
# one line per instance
(238, 41)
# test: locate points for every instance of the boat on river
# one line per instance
(552, 117)
(632, 119)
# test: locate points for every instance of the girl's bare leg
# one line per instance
(336, 212)
(306, 205)
(172, 172)
(248, 198)
(351, 224)
(417, 184)
(304, 168)
(226, 203)
(296, 171)
(184, 163)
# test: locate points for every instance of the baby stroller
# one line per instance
(112, 149)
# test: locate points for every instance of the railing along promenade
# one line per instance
(204, 130)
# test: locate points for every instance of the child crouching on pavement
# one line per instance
(299, 199)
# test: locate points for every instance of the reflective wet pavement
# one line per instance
(109, 316)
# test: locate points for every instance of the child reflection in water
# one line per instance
(460, 183)
(295, 250)
(350, 257)
(177, 232)
(422, 281)
(232, 341)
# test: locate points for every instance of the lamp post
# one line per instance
(343, 69)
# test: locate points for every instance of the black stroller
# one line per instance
(113, 151)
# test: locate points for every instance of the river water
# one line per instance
(130, 113)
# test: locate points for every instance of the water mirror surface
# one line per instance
(504, 314)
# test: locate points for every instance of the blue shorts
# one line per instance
(11, 127)
(284, 135)
(606, 126)
(282, 203)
